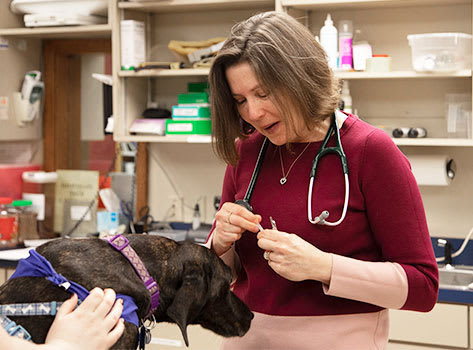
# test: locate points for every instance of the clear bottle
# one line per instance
(361, 51)
(8, 224)
(27, 220)
(345, 98)
(196, 218)
(328, 40)
(345, 44)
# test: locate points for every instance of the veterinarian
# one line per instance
(94, 324)
(320, 276)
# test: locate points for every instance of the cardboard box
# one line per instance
(132, 44)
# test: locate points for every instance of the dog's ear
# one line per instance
(189, 298)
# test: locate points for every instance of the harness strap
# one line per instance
(122, 244)
(13, 329)
(30, 309)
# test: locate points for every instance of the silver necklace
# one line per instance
(283, 179)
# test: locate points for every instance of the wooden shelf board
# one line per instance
(334, 4)
(402, 75)
(442, 142)
(434, 142)
(191, 5)
(340, 74)
(185, 72)
(92, 31)
(164, 139)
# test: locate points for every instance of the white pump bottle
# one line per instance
(329, 41)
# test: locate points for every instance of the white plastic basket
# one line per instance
(440, 52)
(76, 7)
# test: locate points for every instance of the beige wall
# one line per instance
(20, 57)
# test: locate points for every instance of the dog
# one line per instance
(194, 284)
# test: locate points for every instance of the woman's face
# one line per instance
(254, 103)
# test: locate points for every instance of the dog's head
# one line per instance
(203, 295)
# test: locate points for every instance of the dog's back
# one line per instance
(92, 263)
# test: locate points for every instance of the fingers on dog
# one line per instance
(115, 333)
(93, 300)
(68, 306)
(105, 305)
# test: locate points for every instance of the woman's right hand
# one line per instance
(230, 223)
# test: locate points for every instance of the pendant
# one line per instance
(283, 180)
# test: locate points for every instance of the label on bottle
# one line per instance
(346, 59)
(329, 44)
(8, 228)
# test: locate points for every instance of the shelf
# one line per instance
(442, 142)
(334, 4)
(186, 72)
(434, 142)
(342, 75)
(192, 5)
(466, 73)
(165, 139)
(72, 32)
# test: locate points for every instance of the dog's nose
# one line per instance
(252, 315)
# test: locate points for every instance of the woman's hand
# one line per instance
(94, 324)
(230, 223)
(294, 258)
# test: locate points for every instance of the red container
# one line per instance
(11, 183)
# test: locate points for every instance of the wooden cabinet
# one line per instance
(13, 27)
(169, 20)
(445, 325)
(402, 97)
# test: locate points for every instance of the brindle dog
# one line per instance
(194, 284)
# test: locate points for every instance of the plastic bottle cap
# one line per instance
(328, 20)
(6, 200)
(22, 202)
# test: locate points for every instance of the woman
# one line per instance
(94, 324)
(311, 286)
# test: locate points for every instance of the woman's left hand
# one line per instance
(294, 258)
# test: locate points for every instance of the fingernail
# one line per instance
(120, 301)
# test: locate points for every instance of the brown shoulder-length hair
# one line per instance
(288, 63)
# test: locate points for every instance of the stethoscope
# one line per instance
(323, 150)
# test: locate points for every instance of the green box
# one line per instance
(199, 126)
(179, 112)
(198, 87)
(193, 98)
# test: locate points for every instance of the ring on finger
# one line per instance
(266, 255)
(229, 217)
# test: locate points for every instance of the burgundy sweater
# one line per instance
(385, 220)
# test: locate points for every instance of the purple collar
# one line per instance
(120, 243)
